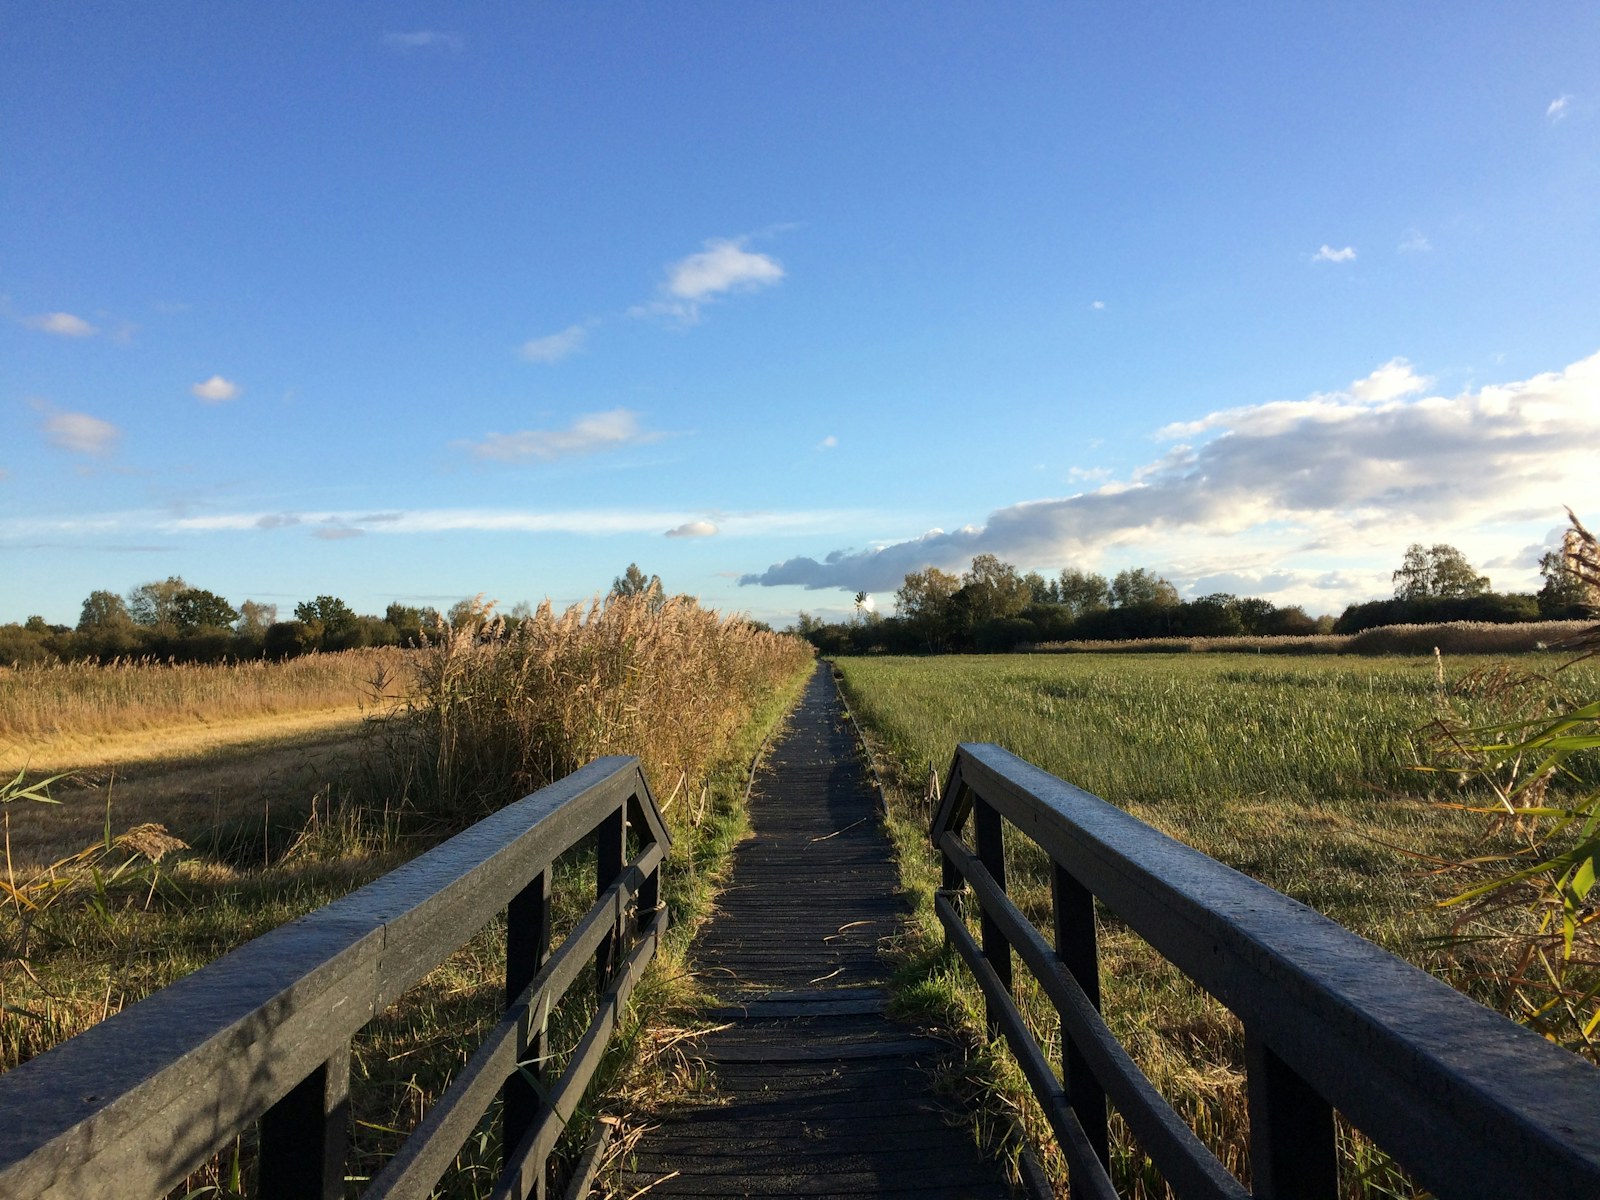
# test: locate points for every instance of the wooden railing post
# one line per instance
(989, 836)
(527, 947)
(1292, 1154)
(1077, 948)
(648, 898)
(304, 1135)
(610, 858)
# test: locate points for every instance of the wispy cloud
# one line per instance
(79, 433)
(1378, 462)
(1558, 108)
(589, 522)
(828, 443)
(693, 529)
(588, 434)
(216, 390)
(425, 39)
(1329, 254)
(555, 346)
(62, 324)
(1415, 242)
(724, 267)
(1098, 305)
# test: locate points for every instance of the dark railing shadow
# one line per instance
(133, 1106)
(1469, 1103)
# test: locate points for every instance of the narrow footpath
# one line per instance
(818, 1092)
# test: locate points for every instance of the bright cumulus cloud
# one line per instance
(79, 433)
(216, 390)
(693, 529)
(586, 435)
(62, 324)
(1268, 486)
(554, 347)
(1329, 254)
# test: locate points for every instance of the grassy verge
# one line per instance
(1293, 770)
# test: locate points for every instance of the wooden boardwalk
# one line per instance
(818, 1092)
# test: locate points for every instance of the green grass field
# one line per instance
(1298, 771)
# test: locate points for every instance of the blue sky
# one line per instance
(780, 301)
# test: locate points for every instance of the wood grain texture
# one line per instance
(819, 1092)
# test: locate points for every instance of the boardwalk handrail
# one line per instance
(1469, 1103)
(137, 1103)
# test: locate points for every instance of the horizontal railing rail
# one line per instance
(1467, 1102)
(136, 1104)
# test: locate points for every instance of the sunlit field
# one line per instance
(1299, 771)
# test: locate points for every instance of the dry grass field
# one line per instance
(295, 783)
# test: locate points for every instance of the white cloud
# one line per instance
(1098, 305)
(1294, 487)
(597, 431)
(722, 268)
(1558, 108)
(693, 529)
(590, 522)
(1389, 382)
(554, 347)
(80, 433)
(1329, 254)
(828, 443)
(424, 39)
(216, 390)
(1415, 243)
(62, 324)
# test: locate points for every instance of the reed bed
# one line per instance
(495, 714)
(88, 698)
(1297, 771)
(487, 716)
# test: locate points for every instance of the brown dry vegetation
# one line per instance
(281, 826)
(66, 709)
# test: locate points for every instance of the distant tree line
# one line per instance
(170, 620)
(995, 607)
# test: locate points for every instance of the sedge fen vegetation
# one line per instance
(482, 714)
(1301, 772)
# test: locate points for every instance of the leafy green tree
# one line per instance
(923, 603)
(153, 604)
(104, 611)
(1139, 587)
(254, 618)
(994, 589)
(1216, 615)
(330, 623)
(1082, 592)
(1437, 572)
(195, 609)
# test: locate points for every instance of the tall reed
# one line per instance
(496, 713)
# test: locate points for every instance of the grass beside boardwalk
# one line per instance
(76, 947)
(1295, 770)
